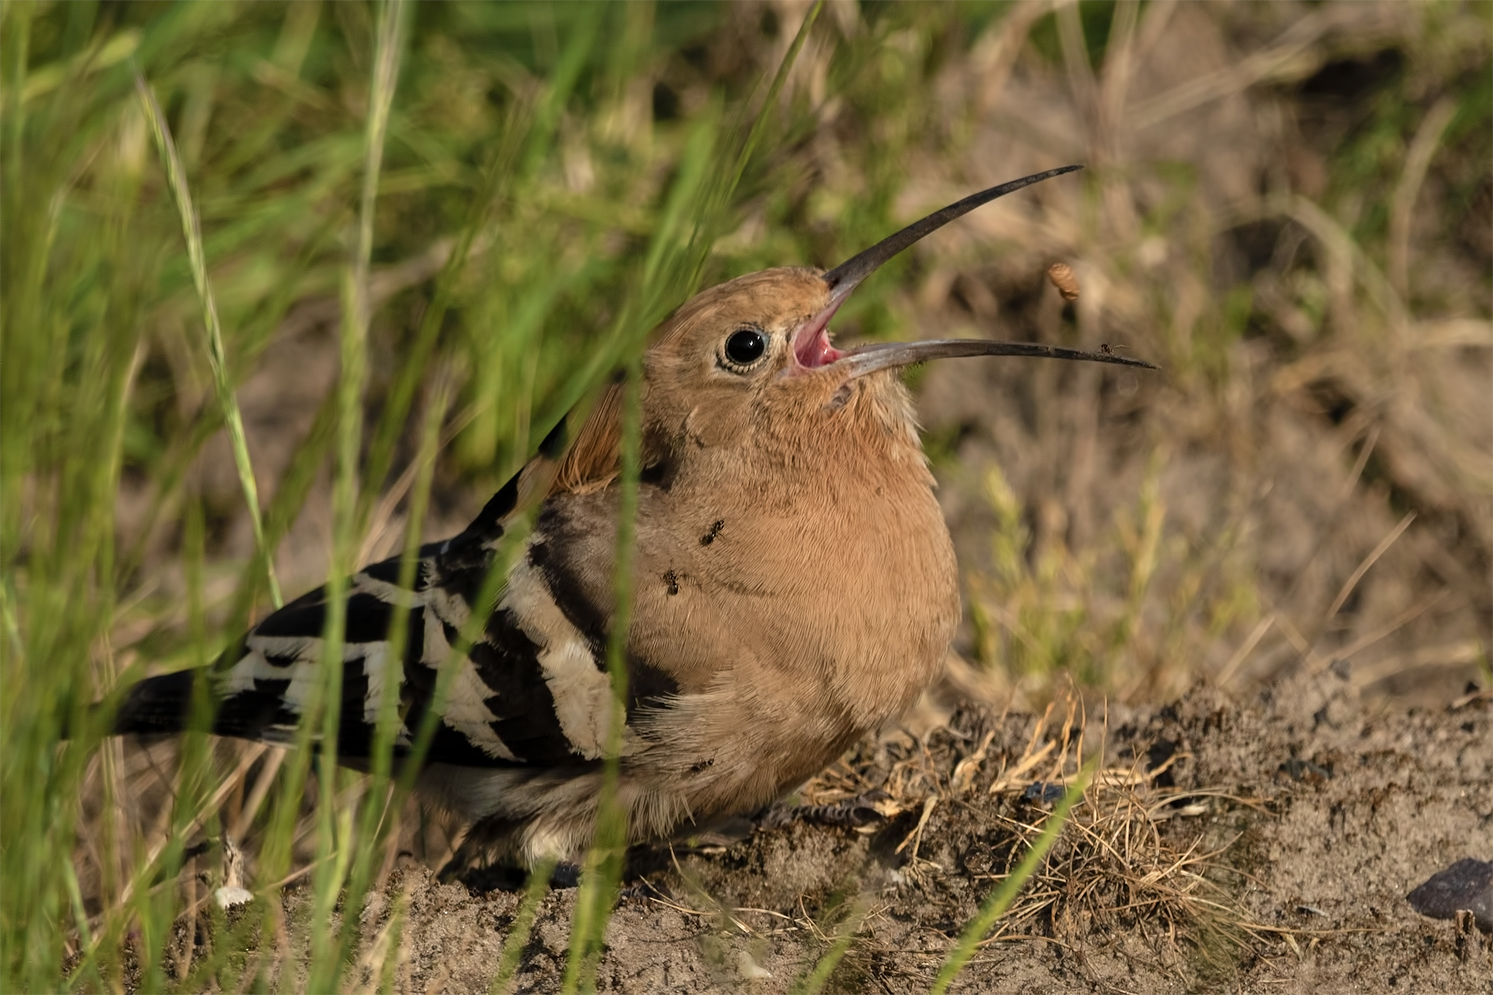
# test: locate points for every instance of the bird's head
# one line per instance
(747, 369)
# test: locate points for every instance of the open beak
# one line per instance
(811, 346)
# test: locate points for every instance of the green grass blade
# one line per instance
(523, 925)
(813, 983)
(334, 827)
(191, 227)
(379, 816)
(528, 134)
(604, 863)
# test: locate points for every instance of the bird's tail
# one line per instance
(157, 705)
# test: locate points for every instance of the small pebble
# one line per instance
(230, 896)
(1467, 884)
(750, 969)
(1042, 794)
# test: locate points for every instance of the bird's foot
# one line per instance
(860, 810)
(505, 877)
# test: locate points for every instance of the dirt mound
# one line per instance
(1223, 845)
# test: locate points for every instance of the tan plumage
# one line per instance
(794, 586)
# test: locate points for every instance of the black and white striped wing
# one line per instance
(532, 690)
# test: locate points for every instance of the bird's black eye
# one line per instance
(745, 347)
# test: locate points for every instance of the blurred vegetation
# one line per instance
(1287, 206)
(1289, 210)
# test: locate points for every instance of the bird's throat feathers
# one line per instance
(810, 436)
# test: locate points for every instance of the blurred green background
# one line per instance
(1288, 206)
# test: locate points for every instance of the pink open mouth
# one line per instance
(811, 346)
(817, 351)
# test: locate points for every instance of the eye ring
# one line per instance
(743, 348)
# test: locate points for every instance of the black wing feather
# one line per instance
(501, 710)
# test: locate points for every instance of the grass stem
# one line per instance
(191, 228)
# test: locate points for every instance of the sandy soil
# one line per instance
(1266, 845)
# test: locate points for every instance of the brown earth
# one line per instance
(1262, 845)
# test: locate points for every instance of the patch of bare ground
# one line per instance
(1262, 846)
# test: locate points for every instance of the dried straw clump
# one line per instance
(1119, 865)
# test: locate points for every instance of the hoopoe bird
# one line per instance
(793, 587)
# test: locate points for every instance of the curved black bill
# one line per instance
(880, 356)
(884, 355)
(844, 277)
